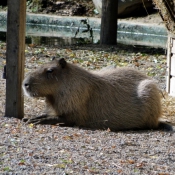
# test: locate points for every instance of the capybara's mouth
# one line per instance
(28, 92)
(34, 95)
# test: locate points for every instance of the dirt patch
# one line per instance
(70, 8)
(83, 8)
(151, 18)
(64, 8)
(87, 8)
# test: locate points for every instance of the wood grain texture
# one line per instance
(108, 34)
(16, 21)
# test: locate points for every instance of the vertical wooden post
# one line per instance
(108, 34)
(16, 21)
(170, 86)
(168, 63)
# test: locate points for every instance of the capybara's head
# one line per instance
(45, 80)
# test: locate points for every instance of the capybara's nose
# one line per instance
(26, 85)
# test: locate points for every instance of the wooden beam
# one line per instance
(108, 33)
(16, 21)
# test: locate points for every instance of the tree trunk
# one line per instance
(108, 34)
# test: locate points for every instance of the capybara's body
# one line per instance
(116, 98)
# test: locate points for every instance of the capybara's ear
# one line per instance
(62, 62)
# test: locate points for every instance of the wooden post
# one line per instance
(16, 21)
(169, 45)
(170, 86)
(108, 34)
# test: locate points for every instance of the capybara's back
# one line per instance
(118, 99)
(126, 99)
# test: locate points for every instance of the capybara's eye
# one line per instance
(49, 70)
(49, 73)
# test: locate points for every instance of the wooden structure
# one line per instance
(167, 12)
(170, 86)
(108, 33)
(16, 21)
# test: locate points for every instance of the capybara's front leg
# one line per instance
(50, 120)
(43, 119)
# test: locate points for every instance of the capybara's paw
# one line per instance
(36, 120)
(43, 119)
(31, 120)
(25, 120)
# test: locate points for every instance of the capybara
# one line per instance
(114, 98)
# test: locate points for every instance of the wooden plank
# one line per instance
(173, 50)
(173, 66)
(173, 43)
(16, 20)
(168, 64)
(172, 86)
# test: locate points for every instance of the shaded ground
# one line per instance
(79, 8)
(62, 7)
(69, 8)
(28, 149)
(83, 8)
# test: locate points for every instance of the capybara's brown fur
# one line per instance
(114, 98)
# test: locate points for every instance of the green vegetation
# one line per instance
(34, 5)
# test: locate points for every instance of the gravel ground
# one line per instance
(56, 150)
(29, 149)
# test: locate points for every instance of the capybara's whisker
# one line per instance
(56, 78)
